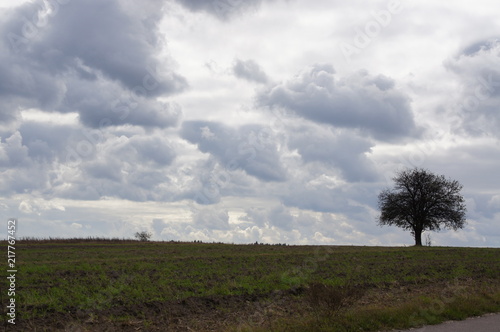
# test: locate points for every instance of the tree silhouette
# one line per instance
(422, 201)
(143, 236)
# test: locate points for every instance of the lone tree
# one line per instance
(422, 201)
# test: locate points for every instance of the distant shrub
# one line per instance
(143, 236)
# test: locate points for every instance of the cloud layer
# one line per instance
(242, 121)
(368, 103)
(108, 71)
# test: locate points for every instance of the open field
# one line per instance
(162, 286)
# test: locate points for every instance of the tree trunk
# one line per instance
(418, 238)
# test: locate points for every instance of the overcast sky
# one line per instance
(241, 121)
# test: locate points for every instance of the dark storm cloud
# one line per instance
(101, 34)
(250, 148)
(362, 101)
(23, 85)
(343, 150)
(249, 70)
(92, 57)
(222, 9)
(103, 103)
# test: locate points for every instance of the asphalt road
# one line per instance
(487, 323)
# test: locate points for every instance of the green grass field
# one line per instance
(161, 286)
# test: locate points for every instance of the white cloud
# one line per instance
(494, 202)
(76, 225)
(25, 207)
(211, 218)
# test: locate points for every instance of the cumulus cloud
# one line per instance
(341, 149)
(278, 215)
(98, 130)
(361, 101)
(99, 59)
(251, 148)
(211, 218)
(73, 162)
(317, 197)
(13, 153)
(477, 70)
(127, 167)
(249, 70)
(19, 173)
(39, 206)
(104, 103)
(45, 142)
(494, 202)
(293, 225)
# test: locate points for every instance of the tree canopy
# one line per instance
(420, 201)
